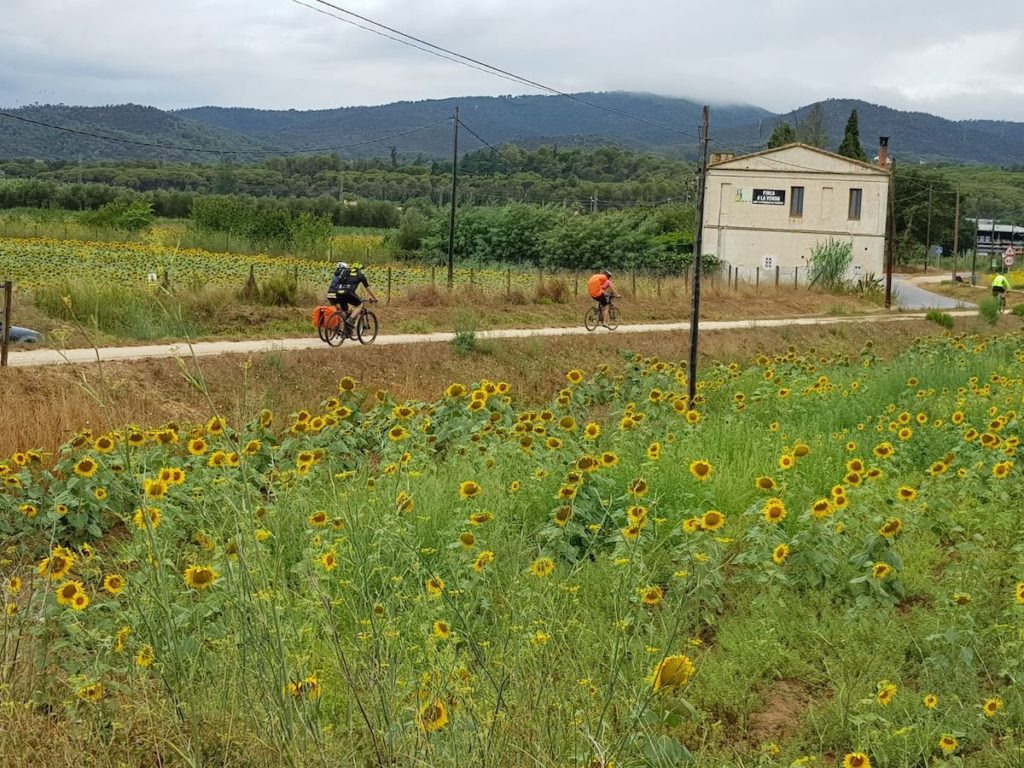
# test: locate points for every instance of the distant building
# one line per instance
(770, 208)
(994, 237)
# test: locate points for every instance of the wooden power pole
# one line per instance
(455, 183)
(698, 244)
(956, 233)
(890, 255)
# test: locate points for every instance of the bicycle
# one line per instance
(1002, 302)
(362, 326)
(592, 318)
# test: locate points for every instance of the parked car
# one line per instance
(19, 335)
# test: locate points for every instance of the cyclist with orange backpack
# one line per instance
(601, 290)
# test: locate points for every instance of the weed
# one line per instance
(988, 310)
(943, 319)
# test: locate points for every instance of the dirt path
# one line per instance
(41, 357)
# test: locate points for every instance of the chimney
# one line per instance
(883, 151)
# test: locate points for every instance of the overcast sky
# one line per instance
(949, 57)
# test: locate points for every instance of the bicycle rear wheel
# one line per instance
(591, 319)
(334, 329)
(321, 329)
(613, 317)
(366, 327)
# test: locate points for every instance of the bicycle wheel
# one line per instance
(613, 317)
(334, 329)
(366, 327)
(321, 329)
(591, 319)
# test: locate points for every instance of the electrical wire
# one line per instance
(184, 148)
(423, 45)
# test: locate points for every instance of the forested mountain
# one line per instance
(128, 122)
(528, 121)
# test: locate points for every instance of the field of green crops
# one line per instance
(820, 564)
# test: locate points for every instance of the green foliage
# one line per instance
(1017, 310)
(988, 309)
(413, 227)
(829, 263)
(782, 135)
(812, 130)
(943, 319)
(107, 306)
(263, 223)
(123, 215)
(280, 290)
(851, 146)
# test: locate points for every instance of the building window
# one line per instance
(856, 196)
(796, 201)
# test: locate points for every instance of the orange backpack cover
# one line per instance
(595, 285)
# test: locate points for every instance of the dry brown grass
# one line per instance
(42, 407)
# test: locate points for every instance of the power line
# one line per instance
(185, 148)
(404, 38)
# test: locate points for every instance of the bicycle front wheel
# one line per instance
(591, 319)
(613, 317)
(321, 329)
(366, 327)
(334, 329)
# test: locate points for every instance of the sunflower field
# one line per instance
(821, 563)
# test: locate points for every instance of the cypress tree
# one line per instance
(851, 140)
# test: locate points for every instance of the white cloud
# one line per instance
(940, 56)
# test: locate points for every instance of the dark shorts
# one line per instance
(345, 299)
(997, 289)
(603, 300)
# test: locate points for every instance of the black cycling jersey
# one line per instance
(352, 281)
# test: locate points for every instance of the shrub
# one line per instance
(1018, 310)
(988, 310)
(554, 291)
(280, 291)
(943, 319)
(829, 263)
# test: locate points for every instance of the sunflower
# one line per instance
(587, 463)
(701, 469)
(637, 487)
(484, 559)
(433, 716)
(57, 565)
(637, 514)
(216, 425)
(469, 489)
(884, 450)
(930, 701)
(329, 560)
(564, 514)
(712, 520)
(992, 706)
(856, 760)
(652, 596)
(114, 583)
(29, 510)
(592, 431)
(566, 493)
(542, 567)
(154, 488)
(397, 433)
(774, 511)
(654, 451)
(197, 446)
(609, 459)
(1002, 469)
(199, 577)
(891, 527)
(479, 518)
(906, 493)
(467, 540)
(441, 630)
(905, 433)
(434, 586)
(80, 601)
(104, 444)
(765, 483)
(822, 508)
(1019, 592)
(13, 585)
(147, 517)
(673, 672)
(881, 571)
(948, 744)
(67, 590)
(574, 376)
(786, 461)
(800, 450)
(455, 390)
(91, 693)
(886, 693)
(86, 467)
(780, 554)
(145, 657)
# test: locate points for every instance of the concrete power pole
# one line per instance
(455, 182)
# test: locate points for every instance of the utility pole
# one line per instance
(455, 182)
(928, 233)
(890, 256)
(698, 243)
(956, 233)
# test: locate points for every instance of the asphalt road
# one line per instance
(909, 295)
(41, 357)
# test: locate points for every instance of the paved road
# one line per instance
(909, 296)
(39, 357)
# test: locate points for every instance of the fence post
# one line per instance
(471, 277)
(796, 272)
(508, 283)
(776, 275)
(728, 279)
(576, 283)
(389, 286)
(633, 275)
(757, 279)
(5, 337)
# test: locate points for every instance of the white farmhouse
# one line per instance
(769, 209)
